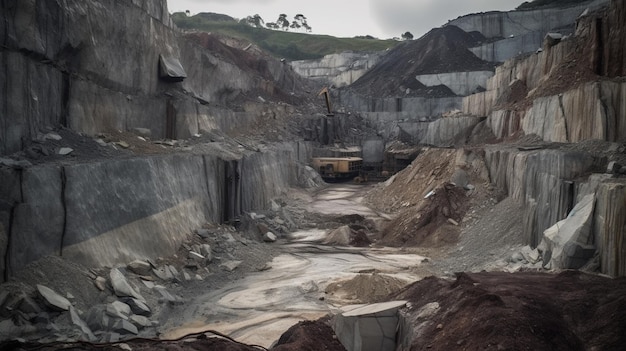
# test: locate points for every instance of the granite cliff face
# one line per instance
(513, 33)
(572, 94)
(92, 66)
(101, 67)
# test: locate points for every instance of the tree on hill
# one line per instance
(299, 21)
(283, 22)
(407, 36)
(254, 21)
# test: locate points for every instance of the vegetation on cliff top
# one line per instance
(281, 44)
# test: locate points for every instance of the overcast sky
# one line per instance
(382, 19)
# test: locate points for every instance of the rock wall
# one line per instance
(547, 182)
(461, 83)
(505, 122)
(416, 106)
(443, 132)
(591, 111)
(609, 227)
(480, 104)
(521, 32)
(337, 69)
(81, 212)
(504, 24)
(502, 50)
(93, 66)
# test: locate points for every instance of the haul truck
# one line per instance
(337, 168)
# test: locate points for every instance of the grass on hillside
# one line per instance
(282, 44)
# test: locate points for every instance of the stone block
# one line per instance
(368, 327)
(571, 236)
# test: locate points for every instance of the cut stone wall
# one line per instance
(337, 69)
(147, 209)
(610, 227)
(93, 66)
(461, 83)
(497, 24)
(545, 181)
(591, 111)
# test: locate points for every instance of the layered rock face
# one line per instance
(93, 65)
(567, 96)
(337, 69)
(101, 66)
(520, 31)
(109, 212)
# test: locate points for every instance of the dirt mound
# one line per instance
(309, 336)
(440, 50)
(364, 288)
(434, 224)
(519, 311)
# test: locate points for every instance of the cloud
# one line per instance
(420, 16)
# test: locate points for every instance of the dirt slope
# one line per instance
(520, 311)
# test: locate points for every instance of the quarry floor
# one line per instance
(283, 297)
(289, 289)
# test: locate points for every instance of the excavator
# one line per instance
(326, 94)
(335, 168)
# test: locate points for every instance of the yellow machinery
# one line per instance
(335, 168)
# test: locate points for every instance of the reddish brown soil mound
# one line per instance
(309, 336)
(520, 311)
(430, 226)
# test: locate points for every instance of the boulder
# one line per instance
(137, 306)
(140, 267)
(569, 243)
(163, 273)
(120, 285)
(613, 168)
(203, 233)
(230, 265)
(97, 318)
(269, 237)
(84, 328)
(53, 299)
(118, 309)
(100, 283)
(123, 326)
(140, 321)
(205, 250)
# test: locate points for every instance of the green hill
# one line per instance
(281, 44)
